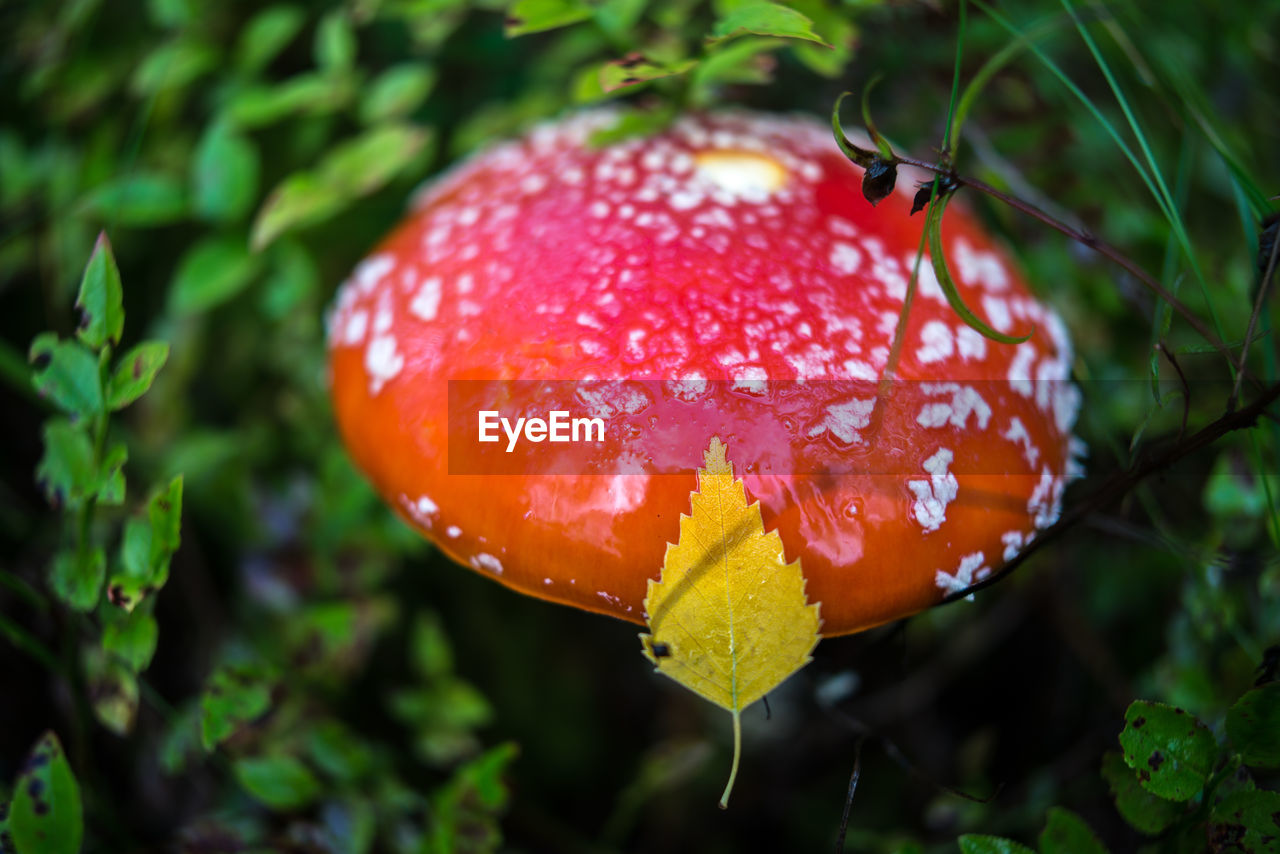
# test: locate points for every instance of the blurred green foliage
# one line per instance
(243, 650)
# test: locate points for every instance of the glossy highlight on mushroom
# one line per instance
(725, 277)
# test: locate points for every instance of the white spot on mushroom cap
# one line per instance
(751, 379)
(1019, 374)
(354, 331)
(965, 401)
(979, 267)
(845, 258)
(844, 419)
(936, 343)
(1045, 504)
(970, 343)
(370, 272)
(382, 362)
(933, 495)
(426, 302)
(1013, 542)
(970, 571)
(997, 309)
(1017, 433)
(486, 561)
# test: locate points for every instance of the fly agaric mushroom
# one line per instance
(724, 278)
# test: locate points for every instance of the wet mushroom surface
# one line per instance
(725, 278)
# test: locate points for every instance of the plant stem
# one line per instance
(1082, 237)
(28, 643)
(1258, 303)
(737, 754)
(950, 140)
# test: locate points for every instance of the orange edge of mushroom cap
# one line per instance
(734, 248)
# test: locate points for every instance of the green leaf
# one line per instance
(633, 123)
(211, 273)
(396, 93)
(130, 636)
(67, 374)
(618, 18)
(975, 844)
(233, 697)
(175, 14)
(143, 199)
(1066, 833)
(881, 144)
(101, 298)
(292, 280)
(535, 16)
(113, 688)
(338, 752)
(431, 652)
(746, 61)
(164, 511)
(299, 200)
(306, 94)
(1253, 725)
(827, 62)
(765, 19)
(353, 169)
(1170, 750)
(111, 485)
(172, 67)
(266, 35)
(180, 744)
(933, 226)
(835, 25)
(335, 45)
(468, 807)
(1143, 810)
(224, 174)
(67, 472)
(280, 782)
(46, 816)
(1246, 821)
(134, 373)
(146, 548)
(367, 162)
(76, 577)
(636, 69)
(444, 717)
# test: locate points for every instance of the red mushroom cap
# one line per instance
(724, 278)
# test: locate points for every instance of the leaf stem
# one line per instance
(949, 140)
(737, 755)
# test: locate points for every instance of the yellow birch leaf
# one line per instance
(728, 619)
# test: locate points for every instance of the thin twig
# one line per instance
(1253, 322)
(848, 799)
(1122, 482)
(1186, 387)
(1080, 236)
